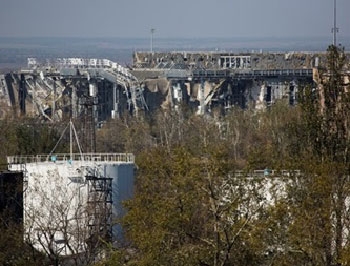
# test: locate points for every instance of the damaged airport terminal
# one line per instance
(72, 87)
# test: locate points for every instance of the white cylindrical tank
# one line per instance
(59, 198)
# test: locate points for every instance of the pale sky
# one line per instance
(172, 18)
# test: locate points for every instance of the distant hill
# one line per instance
(15, 51)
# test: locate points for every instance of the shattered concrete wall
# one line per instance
(225, 91)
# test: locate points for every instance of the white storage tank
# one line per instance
(68, 197)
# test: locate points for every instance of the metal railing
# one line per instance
(242, 73)
(283, 72)
(267, 173)
(93, 157)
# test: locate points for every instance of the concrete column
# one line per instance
(115, 110)
(92, 89)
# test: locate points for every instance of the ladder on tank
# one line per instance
(99, 208)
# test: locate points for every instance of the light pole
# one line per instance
(152, 31)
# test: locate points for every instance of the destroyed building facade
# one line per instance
(102, 89)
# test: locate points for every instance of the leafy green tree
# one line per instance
(319, 217)
(192, 210)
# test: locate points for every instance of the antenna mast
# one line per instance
(335, 30)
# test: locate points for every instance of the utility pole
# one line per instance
(335, 30)
(152, 31)
(54, 100)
